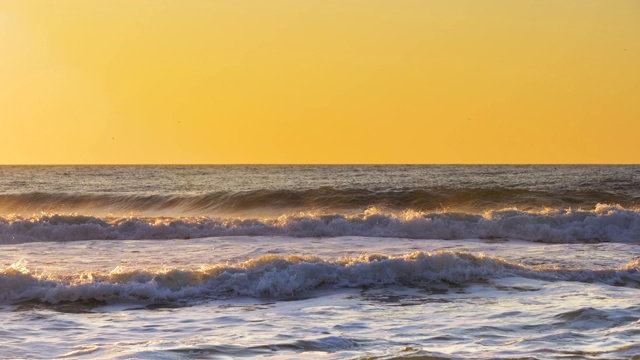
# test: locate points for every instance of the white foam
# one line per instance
(277, 276)
(605, 223)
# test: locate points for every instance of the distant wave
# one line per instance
(604, 223)
(277, 276)
(323, 198)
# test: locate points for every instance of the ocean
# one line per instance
(336, 262)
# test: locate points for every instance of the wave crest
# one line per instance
(605, 223)
(321, 198)
(278, 276)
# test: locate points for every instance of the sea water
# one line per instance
(357, 262)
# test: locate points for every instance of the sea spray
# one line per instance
(604, 223)
(282, 276)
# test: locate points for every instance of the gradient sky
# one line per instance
(301, 81)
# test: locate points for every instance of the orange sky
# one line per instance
(291, 81)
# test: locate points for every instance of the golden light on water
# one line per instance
(319, 82)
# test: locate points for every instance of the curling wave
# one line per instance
(322, 198)
(277, 276)
(605, 223)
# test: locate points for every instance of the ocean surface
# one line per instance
(337, 262)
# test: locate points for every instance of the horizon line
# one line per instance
(329, 164)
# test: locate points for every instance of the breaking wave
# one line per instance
(604, 223)
(322, 198)
(277, 276)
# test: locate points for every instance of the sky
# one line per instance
(319, 82)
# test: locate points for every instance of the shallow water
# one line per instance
(577, 300)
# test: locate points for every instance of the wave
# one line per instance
(605, 223)
(323, 198)
(277, 277)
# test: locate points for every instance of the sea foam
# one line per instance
(279, 276)
(604, 223)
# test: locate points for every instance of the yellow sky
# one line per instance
(302, 81)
